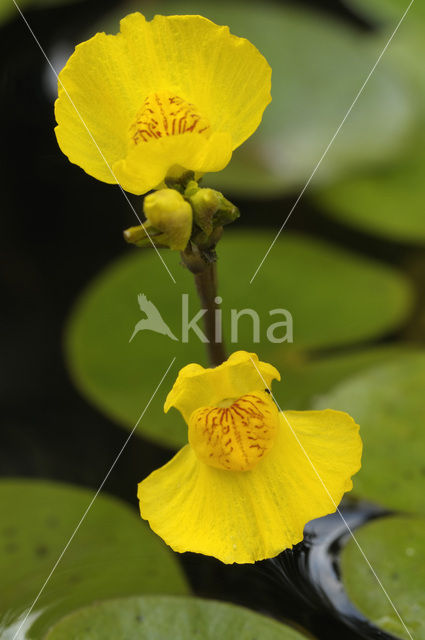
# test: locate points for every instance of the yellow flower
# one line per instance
(243, 488)
(159, 97)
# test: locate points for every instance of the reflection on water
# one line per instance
(16, 626)
(312, 568)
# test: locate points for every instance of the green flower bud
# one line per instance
(205, 203)
(211, 209)
(226, 213)
(144, 235)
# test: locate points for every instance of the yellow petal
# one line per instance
(197, 387)
(106, 81)
(225, 76)
(146, 165)
(98, 97)
(252, 515)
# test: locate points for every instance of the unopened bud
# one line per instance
(140, 235)
(226, 213)
(171, 215)
(211, 209)
(205, 203)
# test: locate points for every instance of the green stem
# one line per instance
(206, 285)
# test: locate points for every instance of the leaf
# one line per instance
(388, 404)
(305, 381)
(390, 11)
(157, 618)
(335, 298)
(113, 553)
(389, 203)
(318, 67)
(395, 547)
(389, 200)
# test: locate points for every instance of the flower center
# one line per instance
(166, 114)
(236, 437)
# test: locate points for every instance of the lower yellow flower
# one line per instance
(243, 488)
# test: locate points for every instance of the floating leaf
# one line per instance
(334, 297)
(390, 11)
(395, 547)
(304, 381)
(388, 404)
(389, 203)
(157, 618)
(113, 553)
(389, 200)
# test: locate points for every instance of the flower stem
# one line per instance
(206, 285)
(202, 263)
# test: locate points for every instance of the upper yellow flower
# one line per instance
(177, 93)
(251, 477)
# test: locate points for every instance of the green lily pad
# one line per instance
(389, 203)
(388, 404)
(304, 381)
(113, 553)
(318, 67)
(395, 547)
(157, 618)
(389, 200)
(388, 11)
(350, 298)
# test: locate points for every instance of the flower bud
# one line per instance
(205, 203)
(144, 235)
(211, 209)
(171, 215)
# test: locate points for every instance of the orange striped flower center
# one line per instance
(235, 437)
(165, 114)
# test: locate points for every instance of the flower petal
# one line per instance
(105, 81)
(225, 76)
(146, 166)
(98, 97)
(252, 515)
(198, 387)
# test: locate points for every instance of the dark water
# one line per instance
(59, 228)
(318, 566)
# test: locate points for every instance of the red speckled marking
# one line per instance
(163, 115)
(235, 437)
